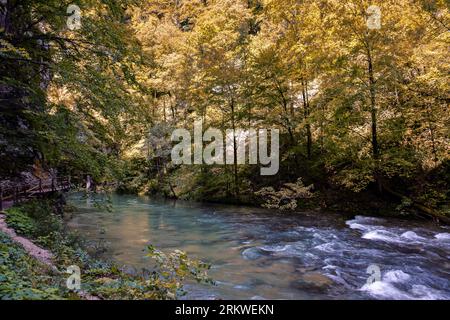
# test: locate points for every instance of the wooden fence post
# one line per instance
(1, 198)
(16, 198)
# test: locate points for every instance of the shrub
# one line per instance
(286, 198)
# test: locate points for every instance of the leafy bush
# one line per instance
(286, 198)
(21, 222)
(173, 269)
(22, 277)
(34, 219)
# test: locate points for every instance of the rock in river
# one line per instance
(313, 281)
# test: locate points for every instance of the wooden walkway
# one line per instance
(19, 192)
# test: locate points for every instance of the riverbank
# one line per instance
(36, 251)
(421, 196)
(332, 200)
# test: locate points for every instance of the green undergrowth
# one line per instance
(22, 277)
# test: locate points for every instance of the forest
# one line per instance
(360, 110)
(358, 90)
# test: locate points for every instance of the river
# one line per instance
(262, 254)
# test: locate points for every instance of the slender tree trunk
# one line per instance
(203, 167)
(306, 115)
(322, 129)
(164, 110)
(433, 140)
(233, 124)
(373, 113)
(226, 166)
(285, 103)
(373, 107)
(172, 108)
(172, 105)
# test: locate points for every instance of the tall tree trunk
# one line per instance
(433, 139)
(373, 107)
(164, 110)
(233, 124)
(228, 192)
(285, 105)
(306, 115)
(373, 113)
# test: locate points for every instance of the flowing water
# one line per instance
(261, 254)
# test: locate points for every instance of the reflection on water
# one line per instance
(259, 254)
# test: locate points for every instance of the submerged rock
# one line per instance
(252, 253)
(313, 282)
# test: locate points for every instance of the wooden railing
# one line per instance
(25, 191)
